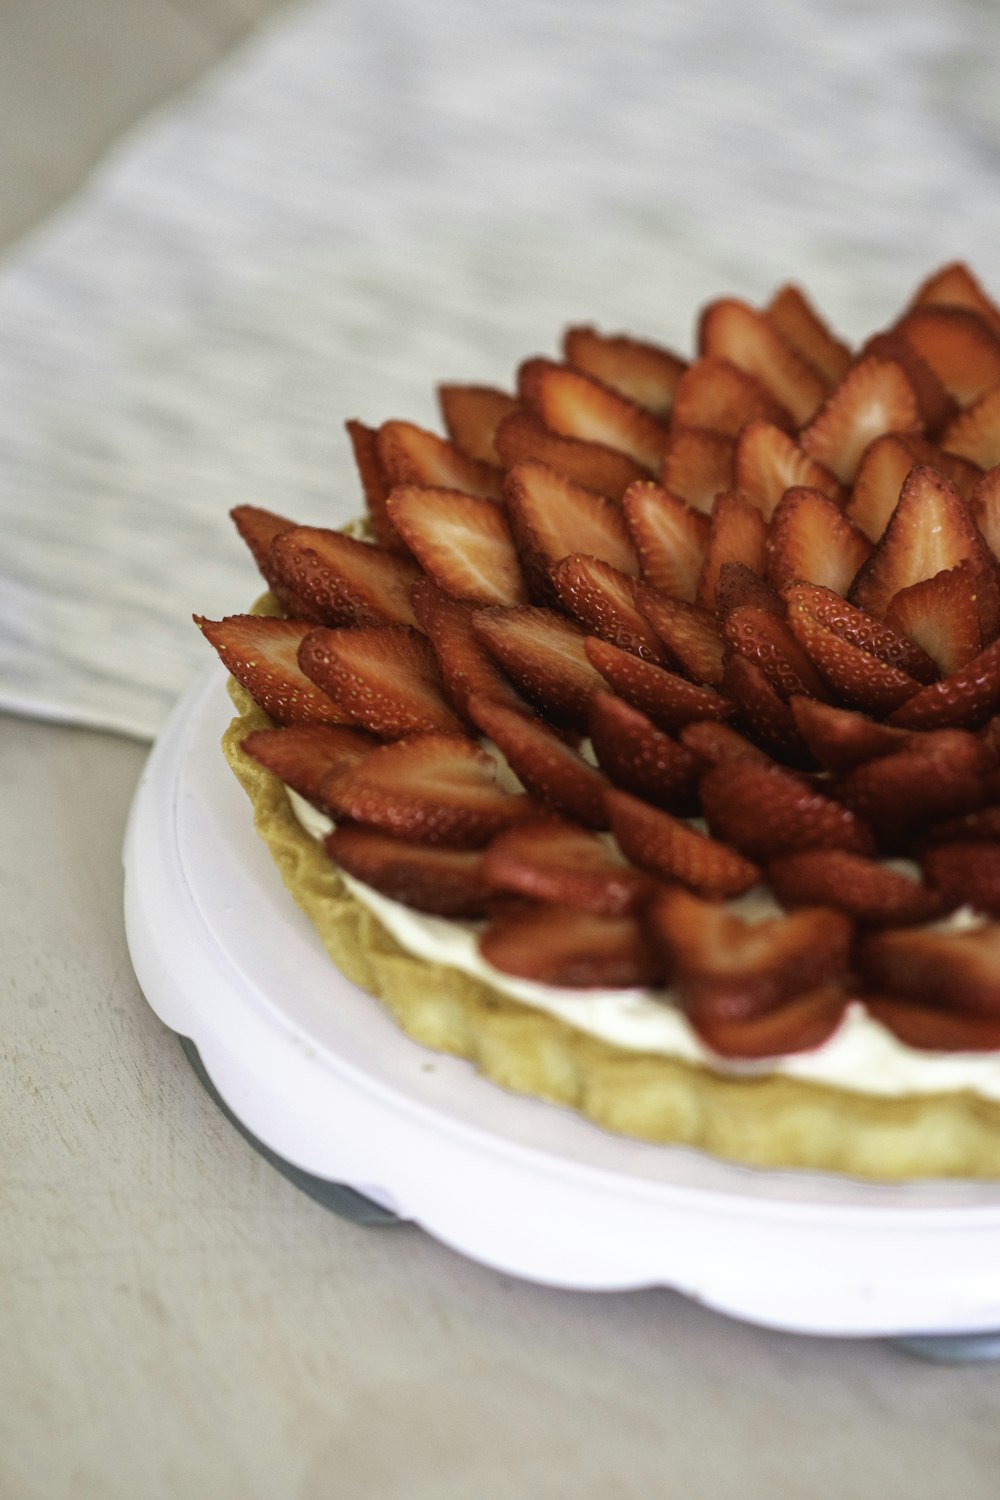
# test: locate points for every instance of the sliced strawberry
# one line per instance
(975, 434)
(766, 640)
(798, 322)
(932, 1030)
(715, 394)
(767, 811)
(697, 465)
(984, 504)
(603, 600)
(882, 471)
(739, 585)
(732, 330)
(941, 616)
(670, 701)
(262, 653)
(523, 437)
(343, 581)
(873, 398)
(305, 756)
(853, 625)
(837, 639)
(445, 882)
(738, 534)
(383, 678)
(960, 347)
(639, 757)
(646, 373)
(966, 873)
(674, 851)
(432, 789)
(670, 537)
(690, 634)
(931, 777)
(811, 540)
(551, 517)
(558, 862)
(472, 414)
(869, 891)
(258, 528)
(543, 655)
(955, 286)
(965, 699)
(574, 949)
(801, 1025)
(374, 483)
(462, 541)
(935, 406)
(767, 462)
(575, 405)
(762, 713)
(954, 972)
(840, 738)
(545, 764)
(717, 744)
(412, 455)
(465, 666)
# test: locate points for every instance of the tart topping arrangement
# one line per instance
(638, 639)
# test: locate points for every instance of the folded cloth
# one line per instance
(366, 199)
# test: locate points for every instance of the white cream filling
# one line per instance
(862, 1055)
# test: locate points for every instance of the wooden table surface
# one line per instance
(178, 1320)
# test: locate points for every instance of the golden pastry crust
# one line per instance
(763, 1121)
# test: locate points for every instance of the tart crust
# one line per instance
(761, 1121)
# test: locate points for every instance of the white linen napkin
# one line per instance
(371, 198)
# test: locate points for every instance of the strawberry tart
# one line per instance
(642, 742)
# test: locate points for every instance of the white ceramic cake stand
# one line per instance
(317, 1071)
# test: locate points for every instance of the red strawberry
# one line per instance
(262, 654)
(874, 397)
(738, 534)
(766, 640)
(411, 455)
(935, 406)
(465, 666)
(545, 764)
(603, 600)
(575, 405)
(717, 744)
(984, 504)
(444, 882)
(462, 541)
(305, 756)
(732, 330)
(646, 373)
(472, 414)
(966, 699)
(955, 286)
(523, 437)
(641, 758)
(959, 346)
(690, 634)
(697, 465)
(738, 585)
(432, 789)
(882, 471)
(853, 625)
(674, 851)
(575, 949)
(800, 1025)
(941, 615)
(374, 483)
(557, 862)
(869, 891)
(670, 701)
(966, 873)
(932, 1030)
(715, 394)
(795, 318)
(956, 972)
(762, 713)
(932, 776)
(768, 462)
(670, 537)
(258, 528)
(839, 738)
(837, 639)
(767, 811)
(811, 540)
(544, 656)
(975, 434)
(383, 678)
(551, 517)
(343, 581)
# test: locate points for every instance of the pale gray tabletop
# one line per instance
(177, 1318)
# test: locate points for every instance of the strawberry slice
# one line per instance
(432, 789)
(762, 713)
(975, 433)
(930, 777)
(869, 891)
(471, 415)
(697, 465)
(670, 701)
(365, 447)
(984, 503)
(646, 373)
(840, 738)
(965, 873)
(465, 666)
(445, 882)
(258, 528)
(930, 1030)
(342, 581)
(690, 634)
(603, 600)
(557, 862)
(523, 437)
(383, 678)
(960, 347)
(811, 540)
(575, 405)
(739, 585)
(545, 764)
(766, 640)
(840, 641)
(573, 949)
(801, 1025)
(793, 315)
(305, 756)
(732, 330)
(738, 534)
(859, 629)
(934, 404)
(640, 758)
(873, 398)
(965, 699)
(767, 811)
(551, 517)
(767, 462)
(883, 469)
(941, 615)
(411, 455)
(715, 744)
(543, 654)
(955, 286)
(674, 851)
(262, 653)
(669, 536)
(715, 394)
(953, 972)
(462, 541)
